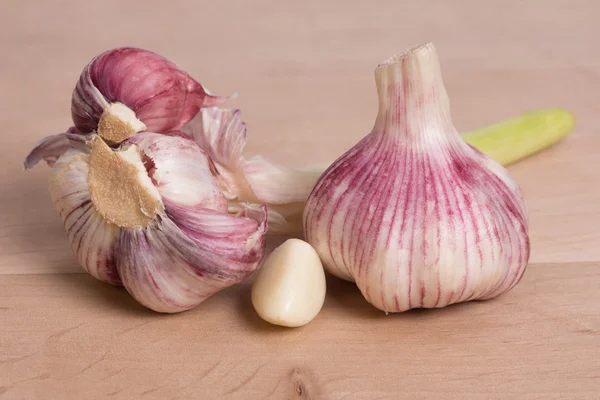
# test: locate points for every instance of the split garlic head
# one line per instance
(150, 215)
(174, 215)
(412, 214)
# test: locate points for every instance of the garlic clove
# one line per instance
(162, 96)
(91, 237)
(125, 91)
(181, 171)
(289, 289)
(412, 214)
(175, 267)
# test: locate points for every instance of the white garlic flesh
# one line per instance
(289, 289)
(413, 214)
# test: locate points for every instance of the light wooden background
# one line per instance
(304, 72)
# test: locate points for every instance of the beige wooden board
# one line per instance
(304, 73)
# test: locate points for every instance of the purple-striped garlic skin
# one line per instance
(412, 214)
(222, 134)
(48, 149)
(170, 257)
(162, 96)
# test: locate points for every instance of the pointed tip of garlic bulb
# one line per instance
(412, 214)
(410, 83)
(415, 51)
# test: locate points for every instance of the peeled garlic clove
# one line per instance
(150, 215)
(412, 214)
(289, 289)
(161, 97)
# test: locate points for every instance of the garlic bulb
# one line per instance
(412, 214)
(150, 215)
(173, 217)
(153, 189)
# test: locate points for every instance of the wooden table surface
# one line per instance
(304, 72)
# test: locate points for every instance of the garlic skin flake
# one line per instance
(283, 190)
(413, 214)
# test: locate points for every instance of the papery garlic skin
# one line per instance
(162, 96)
(412, 214)
(50, 148)
(186, 249)
(222, 133)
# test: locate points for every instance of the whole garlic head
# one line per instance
(412, 214)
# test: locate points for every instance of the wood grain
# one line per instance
(304, 72)
(71, 331)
